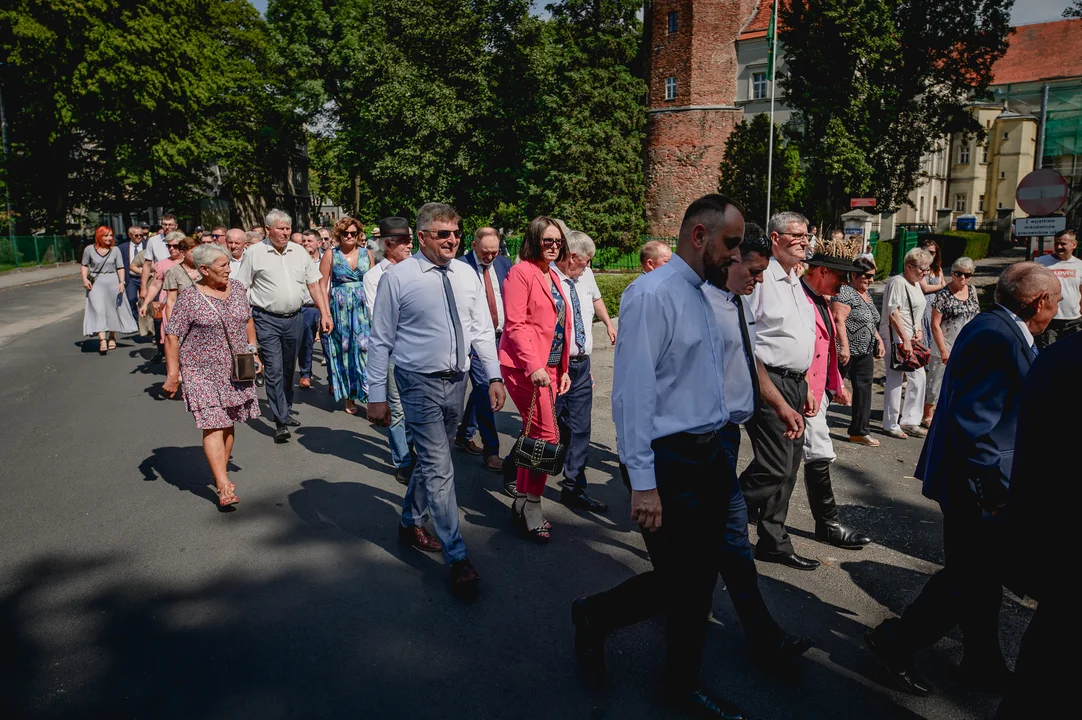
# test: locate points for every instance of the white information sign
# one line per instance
(1039, 226)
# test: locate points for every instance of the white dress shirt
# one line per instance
(481, 270)
(371, 283)
(133, 250)
(234, 267)
(275, 279)
(784, 320)
(412, 322)
(669, 367)
(1021, 326)
(588, 292)
(156, 249)
(739, 390)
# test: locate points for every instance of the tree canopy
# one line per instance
(744, 169)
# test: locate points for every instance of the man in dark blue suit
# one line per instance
(1045, 472)
(966, 467)
(492, 269)
(128, 250)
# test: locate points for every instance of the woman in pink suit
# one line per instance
(533, 356)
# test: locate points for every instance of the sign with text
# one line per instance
(862, 202)
(1039, 226)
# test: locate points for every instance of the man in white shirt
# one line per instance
(429, 312)
(397, 240)
(785, 344)
(156, 251)
(276, 274)
(1068, 269)
(234, 243)
(668, 403)
(491, 269)
(574, 408)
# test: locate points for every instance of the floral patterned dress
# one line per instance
(206, 359)
(347, 344)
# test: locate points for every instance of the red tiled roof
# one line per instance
(1039, 52)
(760, 22)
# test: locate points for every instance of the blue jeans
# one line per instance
(574, 411)
(397, 435)
(308, 339)
(433, 407)
(478, 415)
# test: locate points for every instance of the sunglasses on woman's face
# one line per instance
(173, 246)
(868, 276)
(351, 233)
(960, 274)
(552, 242)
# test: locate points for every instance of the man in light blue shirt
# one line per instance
(668, 402)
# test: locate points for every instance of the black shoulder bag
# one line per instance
(536, 454)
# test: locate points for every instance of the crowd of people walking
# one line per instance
(735, 327)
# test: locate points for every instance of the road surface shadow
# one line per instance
(185, 468)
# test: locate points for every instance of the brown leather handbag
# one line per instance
(244, 366)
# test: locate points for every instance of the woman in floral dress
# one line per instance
(196, 341)
(952, 307)
(343, 270)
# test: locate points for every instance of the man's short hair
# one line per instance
(780, 221)
(433, 212)
(1068, 231)
(276, 216)
(169, 217)
(223, 228)
(252, 237)
(485, 232)
(652, 250)
(133, 227)
(580, 243)
(1022, 284)
(312, 234)
(755, 241)
(709, 211)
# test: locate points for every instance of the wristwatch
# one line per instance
(492, 380)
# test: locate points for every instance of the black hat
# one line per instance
(836, 254)
(391, 226)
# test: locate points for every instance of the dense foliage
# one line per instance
(744, 169)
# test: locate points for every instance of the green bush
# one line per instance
(612, 286)
(959, 243)
(884, 259)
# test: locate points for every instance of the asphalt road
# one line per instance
(124, 593)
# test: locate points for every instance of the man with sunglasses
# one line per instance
(429, 312)
(1065, 266)
(128, 251)
(218, 236)
(396, 237)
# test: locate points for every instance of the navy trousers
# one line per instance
(478, 414)
(279, 341)
(131, 291)
(574, 410)
(308, 338)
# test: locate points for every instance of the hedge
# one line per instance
(612, 286)
(884, 259)
(959, 243)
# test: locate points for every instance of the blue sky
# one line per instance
(1025, 11)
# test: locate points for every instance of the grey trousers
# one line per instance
(279, 342)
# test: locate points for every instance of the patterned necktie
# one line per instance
(580, 332)
(745, 340)
(456, 323)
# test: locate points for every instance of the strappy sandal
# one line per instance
(227, 497)
(112, 345)
(103, 348)
(351, 408)
(540, 534)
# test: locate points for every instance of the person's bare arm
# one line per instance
(841, 311)
(937, 334)
(144, 286)
(899, 327)
(603, 312)
(794, 423)
(325, 263)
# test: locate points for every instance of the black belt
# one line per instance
(284, 316)
(445, 375)
(686, 438)
(578, 358)
(787, 374)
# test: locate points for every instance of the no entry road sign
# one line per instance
(1042, 192)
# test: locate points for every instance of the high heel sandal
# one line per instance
(103, 348)
(540, 534)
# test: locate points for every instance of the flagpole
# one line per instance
(773, 40)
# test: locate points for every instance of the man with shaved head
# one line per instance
(653, 255)
(966, 467)
(234, 243)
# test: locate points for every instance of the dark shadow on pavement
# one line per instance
(185, 468)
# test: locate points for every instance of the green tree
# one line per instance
(894, 78)
(1074, 11)
(744, 169)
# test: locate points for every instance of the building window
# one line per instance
(670, 87)
(984, 154)
(1006, 136)
(960, 202)
(920, 211)
(674, 23)
(758, 85)
(1002, 176)
(980, 203)
(963, 154)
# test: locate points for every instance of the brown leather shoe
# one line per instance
(306, 382)
(469, 446)
(419, 538)
(493, 463)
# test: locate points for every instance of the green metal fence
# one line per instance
(606, 259)
(31, 250)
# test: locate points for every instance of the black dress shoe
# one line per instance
(697, 704)
(897, 666)
(771, 656)
(293, 423)
(788, 559)
(403, 474)
(579, 499)
(281, 435)
(589, 646)
(840, 536)
(510, 489)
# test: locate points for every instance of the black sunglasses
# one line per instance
(868, 276)
(173, 245)
(959, 273)
(444, 234)
(552, 242)
(351, 233)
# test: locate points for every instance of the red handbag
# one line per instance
(915, 360)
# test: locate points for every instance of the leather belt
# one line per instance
(445, 375)
(686, 438)
(785, 373)
(578, 358)
(284, 316)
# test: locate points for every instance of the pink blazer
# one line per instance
(824, 373)
(529, 319)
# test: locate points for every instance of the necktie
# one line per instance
(745, 339)
(456, 323)
(490, 295)
(580, 332)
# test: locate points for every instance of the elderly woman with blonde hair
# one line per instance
(210, 322)
(903, 309)
(952, 307)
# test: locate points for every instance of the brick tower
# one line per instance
(692, 74)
